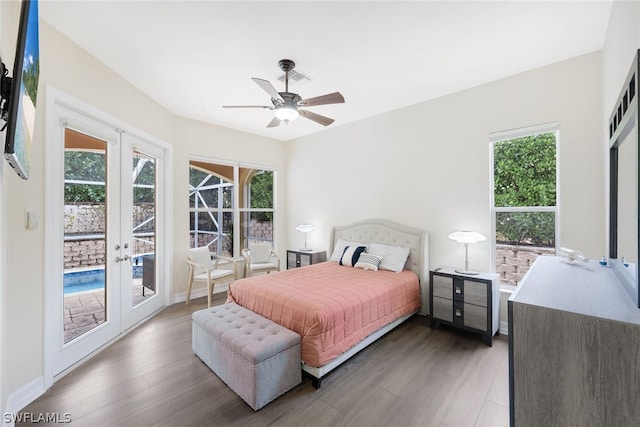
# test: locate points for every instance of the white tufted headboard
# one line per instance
(390, 233)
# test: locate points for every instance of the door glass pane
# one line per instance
(84, 233)
(144, 227)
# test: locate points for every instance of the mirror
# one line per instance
(624, 186)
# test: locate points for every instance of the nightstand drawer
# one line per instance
(442, 309)
(292, 260)
(475, 317)
(442, 286)
(475, 292)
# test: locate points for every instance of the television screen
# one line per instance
(24, 91)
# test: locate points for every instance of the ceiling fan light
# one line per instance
(287, 113)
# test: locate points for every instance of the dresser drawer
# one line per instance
(442, 286)
(442, 309)
(475, 293)
(475, 317)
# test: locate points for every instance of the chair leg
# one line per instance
(189, 285)
(210, 286)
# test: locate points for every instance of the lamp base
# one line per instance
(305, 250)
(467, 272)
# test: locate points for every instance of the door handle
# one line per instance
(127, 258)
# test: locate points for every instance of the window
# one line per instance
(227, 217)
(525, 208)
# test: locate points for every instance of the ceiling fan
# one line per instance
(287, 104)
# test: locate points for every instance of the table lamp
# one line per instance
(466, 237)
(305, 229)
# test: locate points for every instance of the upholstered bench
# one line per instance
(255, 357)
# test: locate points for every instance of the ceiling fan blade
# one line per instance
(268, 87)
(325, 121)
(274, 123)
(330, 98)
(248, 106)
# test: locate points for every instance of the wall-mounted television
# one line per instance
(21, 102)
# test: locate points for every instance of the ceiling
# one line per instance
(194, 57)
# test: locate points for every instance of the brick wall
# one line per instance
(513, 262)
(83, 253)
(84, 244)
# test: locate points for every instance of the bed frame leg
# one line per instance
(316, 382)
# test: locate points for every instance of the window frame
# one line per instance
(236, 210)
(494, 137)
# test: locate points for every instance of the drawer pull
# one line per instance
(458, 290)
(458, 312)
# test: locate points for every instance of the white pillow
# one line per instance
(393, 257)
(260, 252)
(339, 248)
(368, 262)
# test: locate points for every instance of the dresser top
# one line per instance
(453, 272)
(583, 288)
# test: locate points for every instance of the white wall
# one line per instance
(4, 36)
(428, 165)
(70, 69)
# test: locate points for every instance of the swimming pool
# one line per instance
(88, 280)
(79, 281)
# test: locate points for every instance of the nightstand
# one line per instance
(300, 258)
(469, 302)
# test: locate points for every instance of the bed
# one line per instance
(339, 310)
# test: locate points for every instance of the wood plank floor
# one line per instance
(414, 376)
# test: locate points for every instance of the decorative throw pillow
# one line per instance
(338, 250)
(368, 261)
(393, 257)
(351, 254)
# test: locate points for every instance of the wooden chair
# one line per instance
(260, 258)
(203, 268)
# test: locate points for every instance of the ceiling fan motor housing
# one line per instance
(291, 100)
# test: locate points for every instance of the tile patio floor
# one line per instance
(84, 311)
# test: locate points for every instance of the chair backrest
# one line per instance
(202, 257)
(260, 252)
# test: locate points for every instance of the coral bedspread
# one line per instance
(332, 307)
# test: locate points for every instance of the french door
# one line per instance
(106, 277)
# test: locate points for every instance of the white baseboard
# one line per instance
(504, 328)
(199, 292)
(19, 399)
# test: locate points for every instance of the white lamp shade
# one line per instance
(286, 113)
(306, 228)
(467, 236)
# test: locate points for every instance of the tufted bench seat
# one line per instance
(255, 357)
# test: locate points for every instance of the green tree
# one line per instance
(261, 188)
(525, 176)
(525, 171)
(90, 166)
(84, 166)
